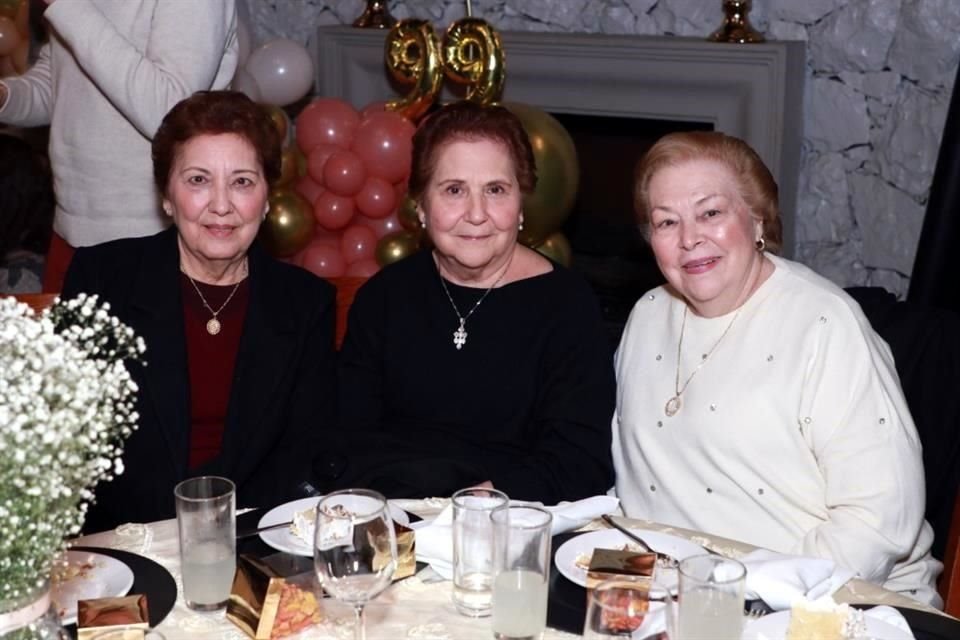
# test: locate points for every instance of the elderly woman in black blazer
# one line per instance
(239, 345)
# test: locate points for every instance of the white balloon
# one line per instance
(283, 71)
(244, 42)
(244, 82)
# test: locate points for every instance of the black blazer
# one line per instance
(283, 391)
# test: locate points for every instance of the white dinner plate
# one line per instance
(91, 575)
(583, 545)
(774, 627)
(283, 539)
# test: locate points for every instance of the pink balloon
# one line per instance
(384, 141)
(327, 120)
(9, 36)
(317, 160)
(329, 238)
(358, 243)
(362, 268)
(309, 189)
(377, 198)
(332, 211)
(324, 260)
(344, 173)
(378, 106)
(381, 226)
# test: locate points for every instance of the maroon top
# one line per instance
(210, 359)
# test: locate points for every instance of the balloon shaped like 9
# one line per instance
(283, 70)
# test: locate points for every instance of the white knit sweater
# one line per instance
(111, 71)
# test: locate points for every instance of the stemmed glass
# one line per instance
(355, 548)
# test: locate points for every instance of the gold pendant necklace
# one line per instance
(674, 404)
(213, 324)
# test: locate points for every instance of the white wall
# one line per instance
(880, 74)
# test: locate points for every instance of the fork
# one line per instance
(668, 560)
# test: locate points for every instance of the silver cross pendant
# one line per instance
(460, 337)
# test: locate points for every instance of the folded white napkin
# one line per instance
(891, 616)
(778, 579)
(434, 540)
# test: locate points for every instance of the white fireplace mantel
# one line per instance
(754, 92)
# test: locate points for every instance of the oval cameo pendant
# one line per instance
(213, 328)
(672, 406)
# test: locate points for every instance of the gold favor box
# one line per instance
(107, 614)
(273, 596)
(615, 563)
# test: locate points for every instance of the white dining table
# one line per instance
(418, 607)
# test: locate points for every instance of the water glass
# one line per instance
(711, 597)
(206, 521)
(627, 607)
(473, 549)
(355, 548)
(521, 556)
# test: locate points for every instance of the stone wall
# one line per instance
(880, 75)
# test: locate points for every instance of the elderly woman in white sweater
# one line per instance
(754, 400)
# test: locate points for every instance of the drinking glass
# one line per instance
(206, 520)
(629, 608)
(355, 548)
(711, 597)
(473, 549)
(521, 557)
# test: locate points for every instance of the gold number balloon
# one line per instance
(413, 57)
(473, 55)
(289, 224)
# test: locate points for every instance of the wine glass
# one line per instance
(355, 548)
(628, 607)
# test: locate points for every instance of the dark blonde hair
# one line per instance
(470, 122)
(755, 184)
(215, 113)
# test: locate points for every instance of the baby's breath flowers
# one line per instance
(67, 403)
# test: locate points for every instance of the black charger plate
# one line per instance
(567, 607)
(149, 578)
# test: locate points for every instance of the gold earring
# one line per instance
(761, 244)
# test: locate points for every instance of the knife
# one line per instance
(249, 533)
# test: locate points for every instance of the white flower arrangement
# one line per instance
(67, 403)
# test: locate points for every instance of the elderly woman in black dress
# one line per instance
(479, 361)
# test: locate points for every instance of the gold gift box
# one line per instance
(615, 563)
(107, 614)
(259, 588)
(406, 552)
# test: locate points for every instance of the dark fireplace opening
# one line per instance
(608, 249)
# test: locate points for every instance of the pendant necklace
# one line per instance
(460, 335)
(675, 403)
(213, 324)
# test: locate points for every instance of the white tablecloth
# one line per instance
(415, 608)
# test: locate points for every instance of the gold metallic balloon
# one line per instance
(407, 213)
(289, 223)
(412, 53)
(473, 55)
(293, 166)
(397, 246)
(9, 8)
(558, 174)
(557, 248)
(280, 120)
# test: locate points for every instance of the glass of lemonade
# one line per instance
(473, 549)
(206, 521)
(521, 557)
(711, 597)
